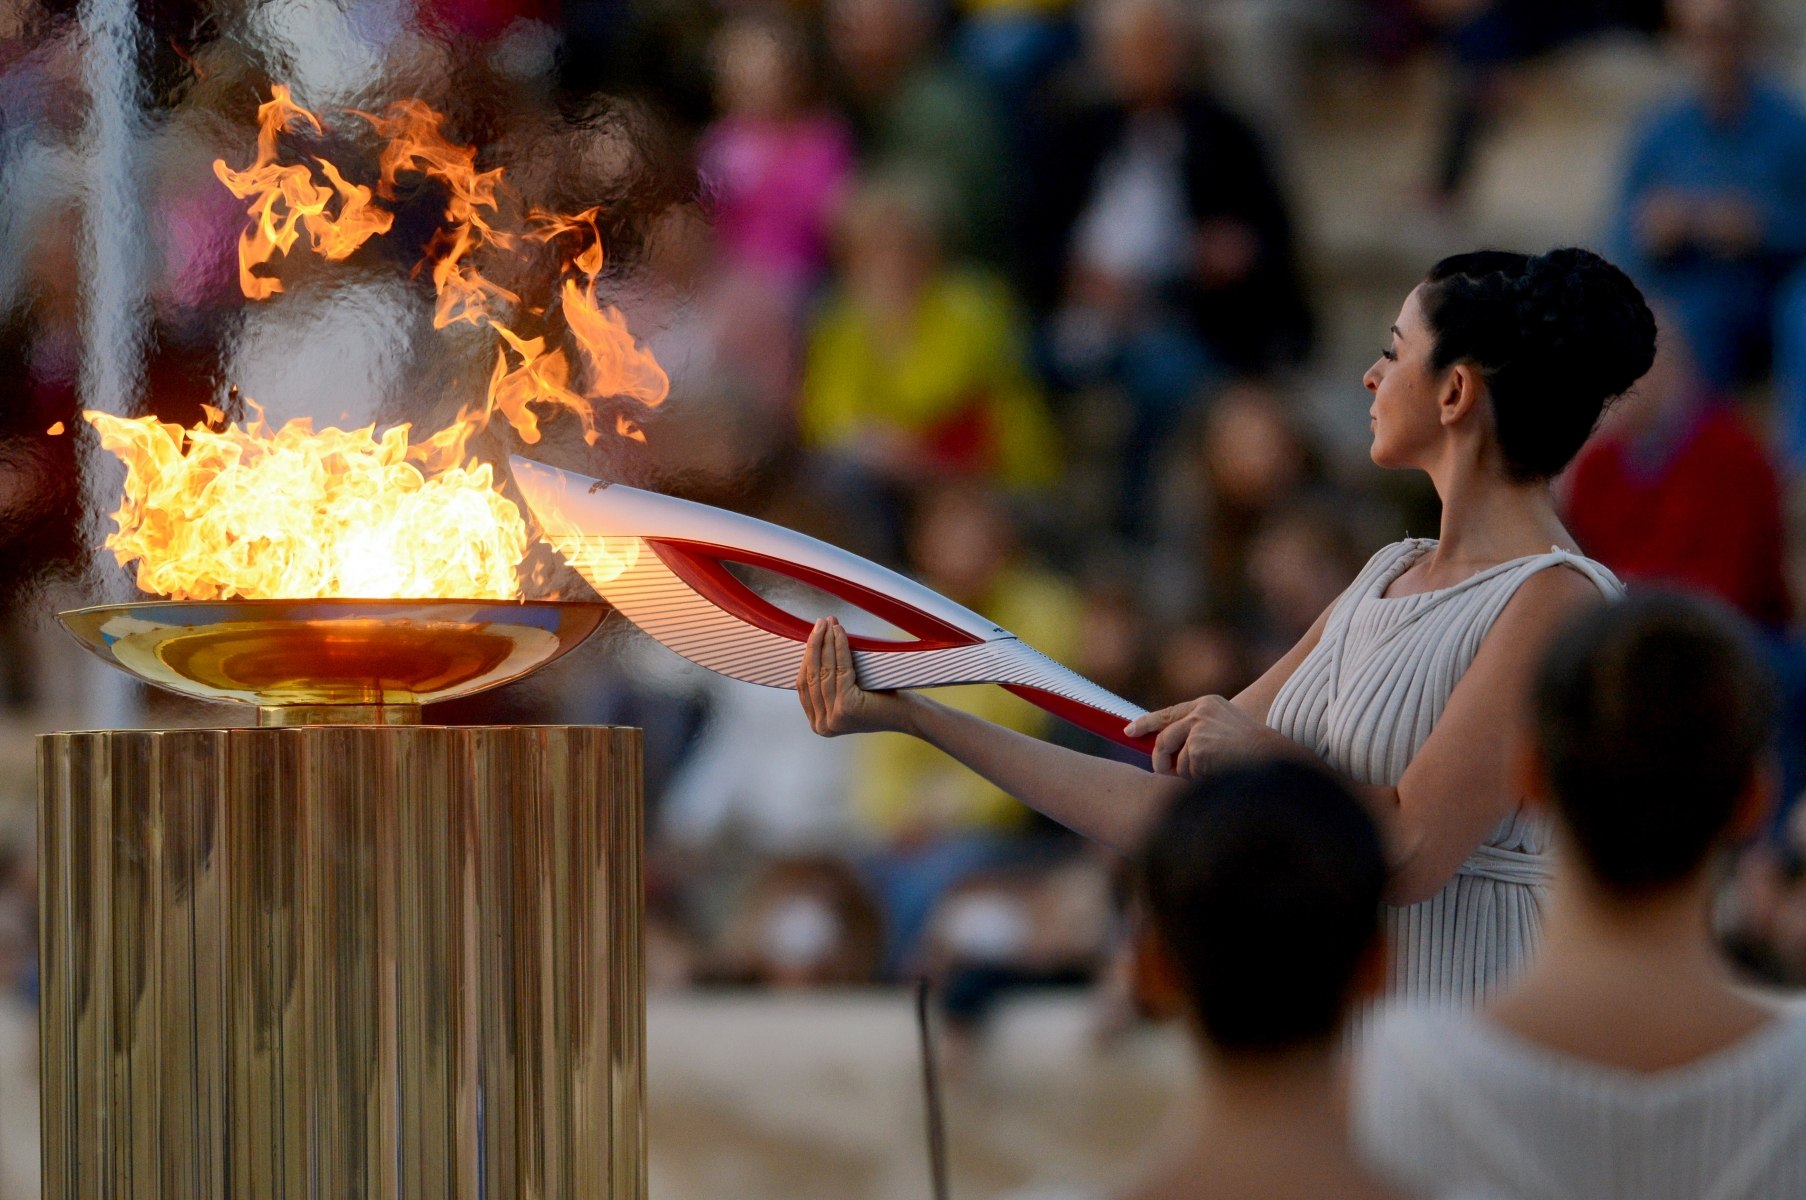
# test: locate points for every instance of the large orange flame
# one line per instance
(254, 512)
(224, 510)
(286, 198)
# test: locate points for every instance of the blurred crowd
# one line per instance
(1013, 295)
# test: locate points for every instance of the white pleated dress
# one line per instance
(1365, 700)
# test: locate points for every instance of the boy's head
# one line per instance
(1262, 885)
(1652, 721)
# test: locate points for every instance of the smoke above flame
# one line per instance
(226, 510)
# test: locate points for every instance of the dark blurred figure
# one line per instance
(1261, 887)
(806, 922)
(937, 823)
(918, 112)
(1485, 41)
(1627, 1061)
(1676, 490)
(1712, 208)
(1163, 238)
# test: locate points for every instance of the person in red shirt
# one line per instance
(1675, 489)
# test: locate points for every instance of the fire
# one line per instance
(260, 513)
(230, 509)
(286, 199)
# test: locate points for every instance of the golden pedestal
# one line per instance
(334, 962)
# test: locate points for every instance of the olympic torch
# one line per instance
(666, 572)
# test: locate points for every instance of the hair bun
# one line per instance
(1588, 318)
(1557, 337)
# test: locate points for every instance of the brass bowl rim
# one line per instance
(572, 622)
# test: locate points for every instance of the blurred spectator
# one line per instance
(777, 165)
(918, 113)
(1172, 238)
(1261, 887)
(1712, 207)
(1486, 40)
(1299, 561)
(937, 821)
(1674, 489)
(916, 367)
(1249, 459)
(806, 922)
(1013, 44)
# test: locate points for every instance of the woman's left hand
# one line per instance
(1214, 733)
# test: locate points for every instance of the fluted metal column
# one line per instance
(336, 962)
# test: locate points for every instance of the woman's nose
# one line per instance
(1371, 380)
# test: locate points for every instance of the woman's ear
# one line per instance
(1461, 391)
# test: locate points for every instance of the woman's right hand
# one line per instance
(830, 690)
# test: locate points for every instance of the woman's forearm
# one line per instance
(1107, 801)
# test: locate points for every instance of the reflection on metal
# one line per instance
(336, 961)
(304, 655)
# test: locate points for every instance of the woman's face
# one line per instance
(1406, 418)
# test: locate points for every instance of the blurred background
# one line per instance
(1061, 306)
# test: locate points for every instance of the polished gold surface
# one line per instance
(333, 655)
(332, 962)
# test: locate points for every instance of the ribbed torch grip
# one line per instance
(331, 962)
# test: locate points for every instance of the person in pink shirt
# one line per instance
(775, 165)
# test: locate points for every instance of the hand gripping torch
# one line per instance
(673, 583)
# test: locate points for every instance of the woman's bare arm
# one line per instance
(1458, 787)
(1107, 801)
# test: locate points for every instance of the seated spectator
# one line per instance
(1262, 890)
(915, 367)
(777, 167)
(917, 112)
(1625, 1062)
(1158, 206)
(1675, 490)
(805, 922)
(939, 822)
(1712, 208)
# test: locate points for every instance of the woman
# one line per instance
(1627, 1061)
(1495, 373)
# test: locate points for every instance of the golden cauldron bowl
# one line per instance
(356, 662)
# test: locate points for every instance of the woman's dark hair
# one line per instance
(1556, 336)
(1652, 716)
(1263, 883)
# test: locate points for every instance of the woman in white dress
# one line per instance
(1626, 1063)
(1493, 376)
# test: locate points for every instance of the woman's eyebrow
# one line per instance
(1396, 333)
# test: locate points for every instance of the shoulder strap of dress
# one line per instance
(1593, 569)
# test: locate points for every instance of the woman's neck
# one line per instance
(1636, 983)
(1488, 519)
(1259, 1120)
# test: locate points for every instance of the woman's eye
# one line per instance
(1389, 354)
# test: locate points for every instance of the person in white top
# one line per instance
(1625, 1062)
(1496, 370)
(1259, 891)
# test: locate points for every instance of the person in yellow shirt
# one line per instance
(918, 368)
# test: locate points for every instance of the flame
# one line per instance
(228, 509)
(247, 511)
(286, 199)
